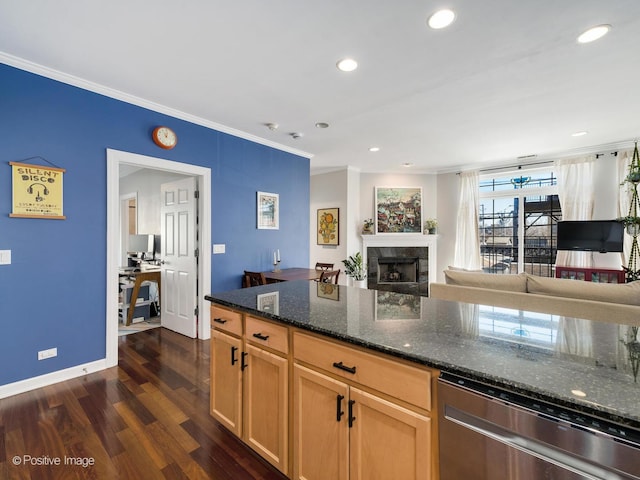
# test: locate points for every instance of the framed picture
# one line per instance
(398, 209)
(37, 191)
(268, 209)
(397, 306)
(269, 302)
(328, 227)
(330, 291)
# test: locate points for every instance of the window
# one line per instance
(518, 222)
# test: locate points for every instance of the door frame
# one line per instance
(114, 159)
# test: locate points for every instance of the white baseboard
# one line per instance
(22, 386)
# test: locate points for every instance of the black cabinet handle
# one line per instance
(233, 355)
(341, 366)
(220, 320)
(260, 336)
(339, 411)
(243, 364)
(351, 417)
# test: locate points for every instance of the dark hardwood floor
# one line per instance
(148, 418)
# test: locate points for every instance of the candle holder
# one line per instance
(276, 266)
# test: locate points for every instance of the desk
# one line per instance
(288, 274)
(139, 277)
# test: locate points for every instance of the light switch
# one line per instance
(5, 257)
(218, 248)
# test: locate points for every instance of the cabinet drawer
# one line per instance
(393, 378)
(267, 334)
(226, 320)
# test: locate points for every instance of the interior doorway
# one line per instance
(115, 161)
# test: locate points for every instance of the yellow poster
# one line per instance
(37, 191)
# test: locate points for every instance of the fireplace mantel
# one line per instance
(404, 240)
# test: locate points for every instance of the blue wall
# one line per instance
(53, 293)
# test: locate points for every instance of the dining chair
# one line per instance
(253, 279)
(324, 266)
(328, 275)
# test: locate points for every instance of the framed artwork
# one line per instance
(269, 302)
(37, 191)
(397, 306)
(268, 210)
(398, 209)
(328, 227)
(330, 291)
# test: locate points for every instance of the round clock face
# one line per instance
(165, 137)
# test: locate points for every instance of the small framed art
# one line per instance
(328, 227)
(268, 210)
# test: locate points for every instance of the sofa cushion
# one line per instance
(509, 283)
(626, 293)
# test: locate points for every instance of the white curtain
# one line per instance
(575, 191)
(624, 198)
(575, 336)
(467, 247)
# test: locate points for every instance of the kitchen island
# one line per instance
(585, 366)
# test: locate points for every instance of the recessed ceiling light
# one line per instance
(441, 19)
(374, 149)
(407, 164)
(347, 65)
(594, 33)
(322, 125)
(271, 126)
(578, 134)
(578, 393)
(297, 135)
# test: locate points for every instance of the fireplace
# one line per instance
(403, 263)
(398, 269)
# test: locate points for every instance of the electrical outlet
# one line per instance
(44, 354)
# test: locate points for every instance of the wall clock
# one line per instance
(164, 137)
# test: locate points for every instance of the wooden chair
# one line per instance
(324, 266)
(327, 275)
(253, 279)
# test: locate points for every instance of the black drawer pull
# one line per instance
(339, 411)
(243, 364)
(233, 355)
(220, 320)
(351, 417)
(260, 336)
(341, 366)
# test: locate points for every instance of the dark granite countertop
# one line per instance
(578, 364)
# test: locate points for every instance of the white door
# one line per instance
(179, 261)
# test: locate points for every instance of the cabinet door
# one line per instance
(320, 430)
(226, 381)
(387, 441)
(265, 405)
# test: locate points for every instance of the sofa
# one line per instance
(618, 303)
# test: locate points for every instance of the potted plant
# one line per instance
(354, 268)
(367, 228)
(430, 226)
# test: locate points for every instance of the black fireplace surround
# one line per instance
(398, 269)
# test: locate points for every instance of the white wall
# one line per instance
(329, 190)
(448, 197)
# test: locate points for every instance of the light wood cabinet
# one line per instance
(250, 382)
(341, 431)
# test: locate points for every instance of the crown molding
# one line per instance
(72, 80)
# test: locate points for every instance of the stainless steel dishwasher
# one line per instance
(490, 434)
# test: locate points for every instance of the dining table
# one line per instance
(289, 274)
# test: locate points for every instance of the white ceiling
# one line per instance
(507, 79)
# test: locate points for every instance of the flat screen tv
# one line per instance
(591, 235)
